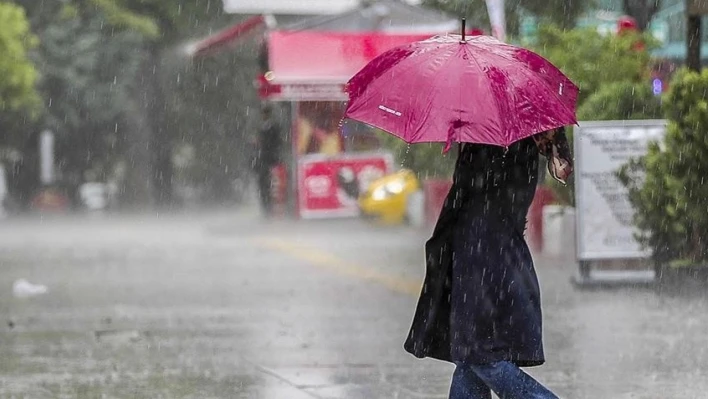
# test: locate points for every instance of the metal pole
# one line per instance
(46, 157)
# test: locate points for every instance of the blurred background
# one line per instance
(153, 105)
(185, 213)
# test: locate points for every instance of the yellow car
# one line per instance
(387, 198)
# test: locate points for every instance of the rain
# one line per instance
(353, 199)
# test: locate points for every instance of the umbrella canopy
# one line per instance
(447, 89)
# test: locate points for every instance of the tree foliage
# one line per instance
(87, 74)
(591, 60)
(563, 13)
(560, 12)
(667, 186)
(17, 73)
(475, 11)
(625, 100)
(112, 79)
(213, 110)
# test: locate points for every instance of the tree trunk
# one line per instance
(136, 187)
(642, 11)
(148, 142)
(693, 42)
(161, 139)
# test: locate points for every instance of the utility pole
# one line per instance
(695, 9)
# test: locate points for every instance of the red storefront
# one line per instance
(305, 65)
(332, 160)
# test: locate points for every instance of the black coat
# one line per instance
(480, 301)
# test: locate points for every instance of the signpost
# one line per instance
(46, 157)
(605, 232)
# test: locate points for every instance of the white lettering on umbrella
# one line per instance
(389, 110)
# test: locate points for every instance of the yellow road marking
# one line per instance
(331, 262)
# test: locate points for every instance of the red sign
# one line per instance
(330, 187)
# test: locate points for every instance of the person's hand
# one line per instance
(560, 169)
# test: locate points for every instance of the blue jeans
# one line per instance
(477, 381)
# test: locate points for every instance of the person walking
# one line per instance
(268, 145)
(480, 304)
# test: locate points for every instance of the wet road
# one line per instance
(226, 306)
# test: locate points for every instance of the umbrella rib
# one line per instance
(416, 63)
(479, 66)
(430, 93)
(401, 64)
(545, 84)
(551, 90)
(404, 67)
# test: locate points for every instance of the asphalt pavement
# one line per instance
(226, 305)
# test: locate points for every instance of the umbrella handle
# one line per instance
(464, 22)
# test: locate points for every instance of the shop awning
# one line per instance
(227, 36)
(317, 64)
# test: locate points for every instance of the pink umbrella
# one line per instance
(448, 89)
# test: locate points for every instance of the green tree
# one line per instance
(563, 13)
(560, 12)
(591, 60)
(475, 11)
(164, 23)
(19, 101)
(667, 186)
(87, 78)
(149, 134)
(86, 81)
(17, 72)
(215, 109)
(621, 101)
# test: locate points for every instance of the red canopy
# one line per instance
(316, 65)
(226, 37)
